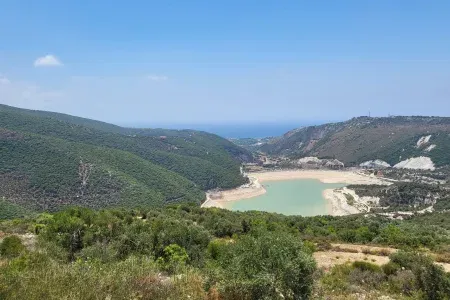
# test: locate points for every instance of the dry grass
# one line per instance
(377, 251)
(340, 249)
(442, 258)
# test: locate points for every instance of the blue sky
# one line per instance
(167, 62)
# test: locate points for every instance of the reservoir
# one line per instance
(290, 197)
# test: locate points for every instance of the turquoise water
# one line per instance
(290, 197)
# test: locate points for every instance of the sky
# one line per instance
(226, 62)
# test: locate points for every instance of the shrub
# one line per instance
(337, 278)
(377, 252)
(390, 268)
(310, 246)
(403, 282)
(366, 266)
(11, 246)
(100, 252)
(348, 250)
(216, 248)
(323, 245)
(263, 266)
(174, 258)
(384, 252)
(430, 278)
(366, 277)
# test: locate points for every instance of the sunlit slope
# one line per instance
(49, 160)
(202, 158)
(360, 139)
(46, 173)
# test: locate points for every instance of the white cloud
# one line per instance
(4, 80)
(47, 61)
(157, 77)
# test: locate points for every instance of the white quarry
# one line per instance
(417, 163)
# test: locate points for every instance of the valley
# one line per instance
(416, 181)
(224, 150)
(184, 214)
(49, 161)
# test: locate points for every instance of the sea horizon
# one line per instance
(234, 130)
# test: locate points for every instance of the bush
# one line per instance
(403, 282)
(384, 252)
(310, 246)
(337, 278)
(11, 246)
(100, 252)
(377, 252)
(430, 278)
(216, 248)
(348, 250)
(366, 266)
(390, 268)
(174, 258)
(263, 266)
(323, 245)
(366, 277)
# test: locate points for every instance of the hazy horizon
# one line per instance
(234, 130)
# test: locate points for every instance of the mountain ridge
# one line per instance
(366, 138)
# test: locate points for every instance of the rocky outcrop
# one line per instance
(423, 140)
(429, 148)
(312, 162)
(375, 164)
(417, 163)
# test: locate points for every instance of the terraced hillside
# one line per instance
(361, 139)
(48, 161)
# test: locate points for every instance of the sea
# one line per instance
(236, 130)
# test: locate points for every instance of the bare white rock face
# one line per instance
(417, 163)
(423, 140)
(375, 164)
(309, 160)
(429, 148)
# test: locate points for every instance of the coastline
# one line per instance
(336, 203)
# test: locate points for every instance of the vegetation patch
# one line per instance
(350, 199)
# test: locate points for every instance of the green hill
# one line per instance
(65, 118)
(42, 153)
(361, 139)
(43, 173)
(188, 142)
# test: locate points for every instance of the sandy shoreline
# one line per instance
(336, 205)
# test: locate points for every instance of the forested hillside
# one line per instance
(43, 154)
(361, 139)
